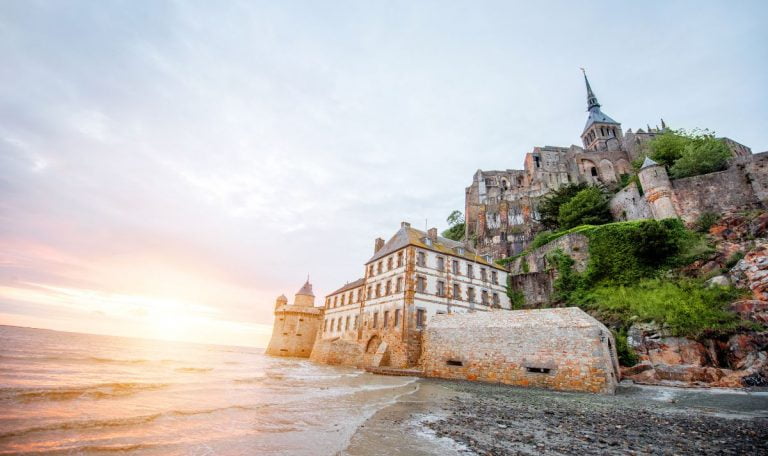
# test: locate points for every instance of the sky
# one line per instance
(167, 169)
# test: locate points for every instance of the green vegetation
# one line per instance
(627, 355)
(625, 279)
(705, 221)
(456, 226)
(684, 306)
(516, 298)
(549, 209)
(733, 259)
(587, 207)
(689, 153)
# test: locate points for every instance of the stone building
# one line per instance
(296, 325)
(563, 349)
(378, 320)
(501, 206)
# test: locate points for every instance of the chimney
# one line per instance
(379, 243)
(405, 225)
(432, 234)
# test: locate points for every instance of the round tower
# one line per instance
(657, 188)
(281, 301)
(304, 297)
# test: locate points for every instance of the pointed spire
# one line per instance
(663, 125)
(591, 98)
(648, 162)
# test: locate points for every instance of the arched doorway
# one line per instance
(373, 344)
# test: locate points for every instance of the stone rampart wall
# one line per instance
(574, 245)
(339, 352)
(537, 287)
(566, 358)
(628, 204)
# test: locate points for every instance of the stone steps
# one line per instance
(395, 372)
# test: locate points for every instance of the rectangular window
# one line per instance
(484, 297)
(379, 267)
(496, 301)
(457, 291)
(389, 287)
(325, 325)
(386, 318)
(338, 327)
(346, 323)
(378, 290)
(399, 259)
(421, 284)
(483, 274)
(440, 288)
(375, 319)
(389, 264)
(342, 299)
(370, 291)
(397, 317)
(470, 271)
(440, 264)
(399, 285)
(421, 259)
(370, 271)
(470, 294)
(335, 301)
(327, 303)
(495, 277)
(421, 318)
(356, 318)
(455, 267)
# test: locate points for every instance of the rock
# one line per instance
(720, 281)
(751, 309)
(752, 272)
(636, 369)
(689, 374)
(708, 267)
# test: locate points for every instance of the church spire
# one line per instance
(591, 98)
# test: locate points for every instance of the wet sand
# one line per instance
(460, 418)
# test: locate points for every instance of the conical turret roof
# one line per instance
(306, 290)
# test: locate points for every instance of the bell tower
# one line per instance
(601, 132)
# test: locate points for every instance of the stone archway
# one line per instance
(373, 344)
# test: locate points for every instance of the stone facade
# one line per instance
(563, 349)
(575, 245)
(501, 205)
(409, 280)
(296, 325)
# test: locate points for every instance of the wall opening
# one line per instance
(538, 370)
(454, 362)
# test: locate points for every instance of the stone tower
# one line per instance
(657, 188)
(296, 325)
(601, 132)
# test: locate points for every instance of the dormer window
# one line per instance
(428, 241)
(460, 250)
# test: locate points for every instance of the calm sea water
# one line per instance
(65, 393)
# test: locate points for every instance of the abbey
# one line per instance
(501, 206)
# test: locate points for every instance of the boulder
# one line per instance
(719, 281)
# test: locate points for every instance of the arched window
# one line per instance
(593, 171)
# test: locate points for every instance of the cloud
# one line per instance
(227, 151)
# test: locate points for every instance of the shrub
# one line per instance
(703, 155)
(549, 209)
(456, 226)
(733, 259)
(626, 354)
(668, 147)
(588, 207)
(686, 307)
(705, 221)
(516, 297)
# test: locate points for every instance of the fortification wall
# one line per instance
(294, 332)
(725, 191)
(537, 287)
(339, 352)
(562, 349)
(628, 204)
(574, 245)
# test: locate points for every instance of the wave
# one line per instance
(118, 422)
(99, 391)
(193, 370)
(89, 359)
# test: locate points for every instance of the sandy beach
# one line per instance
(455, 418)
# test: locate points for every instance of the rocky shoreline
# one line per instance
(463, 418)
(496, 420)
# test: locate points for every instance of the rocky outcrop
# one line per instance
(739, 360)
(752, 272)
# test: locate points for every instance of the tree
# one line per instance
(703, 155)
(549, 208)
(666, 148)
(587, 207)
(456, 226)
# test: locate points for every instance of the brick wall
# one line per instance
(562, 349)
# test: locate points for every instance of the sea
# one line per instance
(69, 393)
